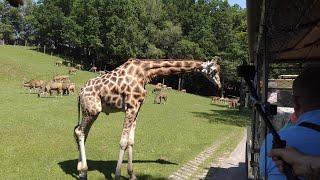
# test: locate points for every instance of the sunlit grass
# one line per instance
(37, 133)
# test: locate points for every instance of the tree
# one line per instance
(110, 32)
(166, 37)
(153, 52)
(187, 49)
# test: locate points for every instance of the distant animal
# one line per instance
(34, 83)
(101, 73)
(68, 87)
(72, 87)
(73, 71)
(226, 100)
(93, 69)
(215, 99)
(58, 63)
(157, 88)
(161, 97)
(169, 88)
(61, 78)
(184, 91)
(65, 88)
(79, 66)
(233, 103)
(53, 86)
(223, 100)
(165, 87)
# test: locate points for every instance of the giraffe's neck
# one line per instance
(168, 67)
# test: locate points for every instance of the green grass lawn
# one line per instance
(37, 133)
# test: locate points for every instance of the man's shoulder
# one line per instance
(293, 132)
(296, 137)
(298, 130)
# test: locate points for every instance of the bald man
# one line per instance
(305, 134)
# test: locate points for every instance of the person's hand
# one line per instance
(291, 156)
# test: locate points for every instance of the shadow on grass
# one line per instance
(220, 105)
(228, 116)
(44, 97)
(107, 168)
(28, 93)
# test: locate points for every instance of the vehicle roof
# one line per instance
(292, 30)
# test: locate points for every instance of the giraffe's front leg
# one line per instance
(131, 114)
(123, 145)
(130, 150)
(82, 162)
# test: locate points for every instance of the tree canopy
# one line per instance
(107, 33)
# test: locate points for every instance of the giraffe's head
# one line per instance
(211, 69)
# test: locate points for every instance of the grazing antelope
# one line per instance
(93, 69)
(73, 71)
(79, 66)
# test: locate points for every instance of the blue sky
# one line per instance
(242, 3)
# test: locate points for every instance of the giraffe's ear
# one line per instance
(216, 59)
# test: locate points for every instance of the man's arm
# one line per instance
(302, 165)
(267, 167)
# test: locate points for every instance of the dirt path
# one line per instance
(228, 167)
(190, 168)
(232, 167)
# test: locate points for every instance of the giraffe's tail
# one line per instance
(79, 108)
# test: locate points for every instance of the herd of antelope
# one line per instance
(161, 97)
(60, 84)
(232, 102)
(73, 70)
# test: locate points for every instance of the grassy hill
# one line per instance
(37, 133)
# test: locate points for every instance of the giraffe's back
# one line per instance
(112, 92)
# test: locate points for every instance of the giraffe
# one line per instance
(123, 89)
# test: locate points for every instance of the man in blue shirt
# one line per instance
(306, 103)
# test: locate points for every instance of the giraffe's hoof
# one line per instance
(133, 177)
(117, 176)
(83, 175)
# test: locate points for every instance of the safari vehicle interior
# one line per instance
(284, 38)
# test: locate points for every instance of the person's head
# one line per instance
(306, 91)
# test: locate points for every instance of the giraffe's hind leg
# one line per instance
(126, 141)
(81, 132)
